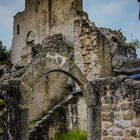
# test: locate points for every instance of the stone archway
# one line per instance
(93, 111)
(55, 62)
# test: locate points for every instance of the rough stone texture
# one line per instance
(119, 114)
(124, 58)
(116, 40)
(82, 114)
(44, 91)
(41, 19)
(113, 127)
(91, 50)
(40, 101)
(12, 114)
(34, 97)
(60, 119)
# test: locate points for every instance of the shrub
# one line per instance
(4, 54)
(2, 104)
(135, 43)
(72, 135)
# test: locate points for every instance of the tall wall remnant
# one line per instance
(44, 18)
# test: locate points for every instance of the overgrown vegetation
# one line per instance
(32, 122)
(135, 43)
(4, 54)
(131, 44)
(72, 135)
(121, 39)
(2, 104)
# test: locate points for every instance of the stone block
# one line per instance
(136, 104)
(108, 125)
(122, 123)
(107, 116)
(116, 107)
(136, 122)
(108, 99)
(106, 108)
(108, 138)
(117, 115)
(116, 132)
(136, 84)
(105, 133)
(128, 115)
(125, 106)
(131, 133)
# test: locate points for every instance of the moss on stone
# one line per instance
(32, 123)
(2, 104)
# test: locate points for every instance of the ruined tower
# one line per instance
(40, 19)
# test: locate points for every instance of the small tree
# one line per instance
(4, 54)
(135, 43)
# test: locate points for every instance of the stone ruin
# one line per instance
(65, 70)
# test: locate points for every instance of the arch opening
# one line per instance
(54, 62)
(93, 110)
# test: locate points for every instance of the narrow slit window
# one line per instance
(36, 9)
(18, 30)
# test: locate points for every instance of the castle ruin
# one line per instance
(68, 74)
(40, 19)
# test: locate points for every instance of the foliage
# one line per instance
(72, 135)
(123, 42)
(135, 43)
(4, 54)
(2, 104)
(32, 122)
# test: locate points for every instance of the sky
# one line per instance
(114, 14)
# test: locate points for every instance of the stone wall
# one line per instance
(102, 52)
(41, 92)
(30, 93)
(96, 51)
(12, 114)
(91, 49)
(60, 119)
(120, 111)
(43, 18)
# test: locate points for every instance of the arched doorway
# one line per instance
(54, 62)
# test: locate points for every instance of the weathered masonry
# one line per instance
(68, 74)
(40, 19)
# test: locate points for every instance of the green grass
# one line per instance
(72, 135)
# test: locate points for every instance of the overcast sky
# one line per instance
(115, 14)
